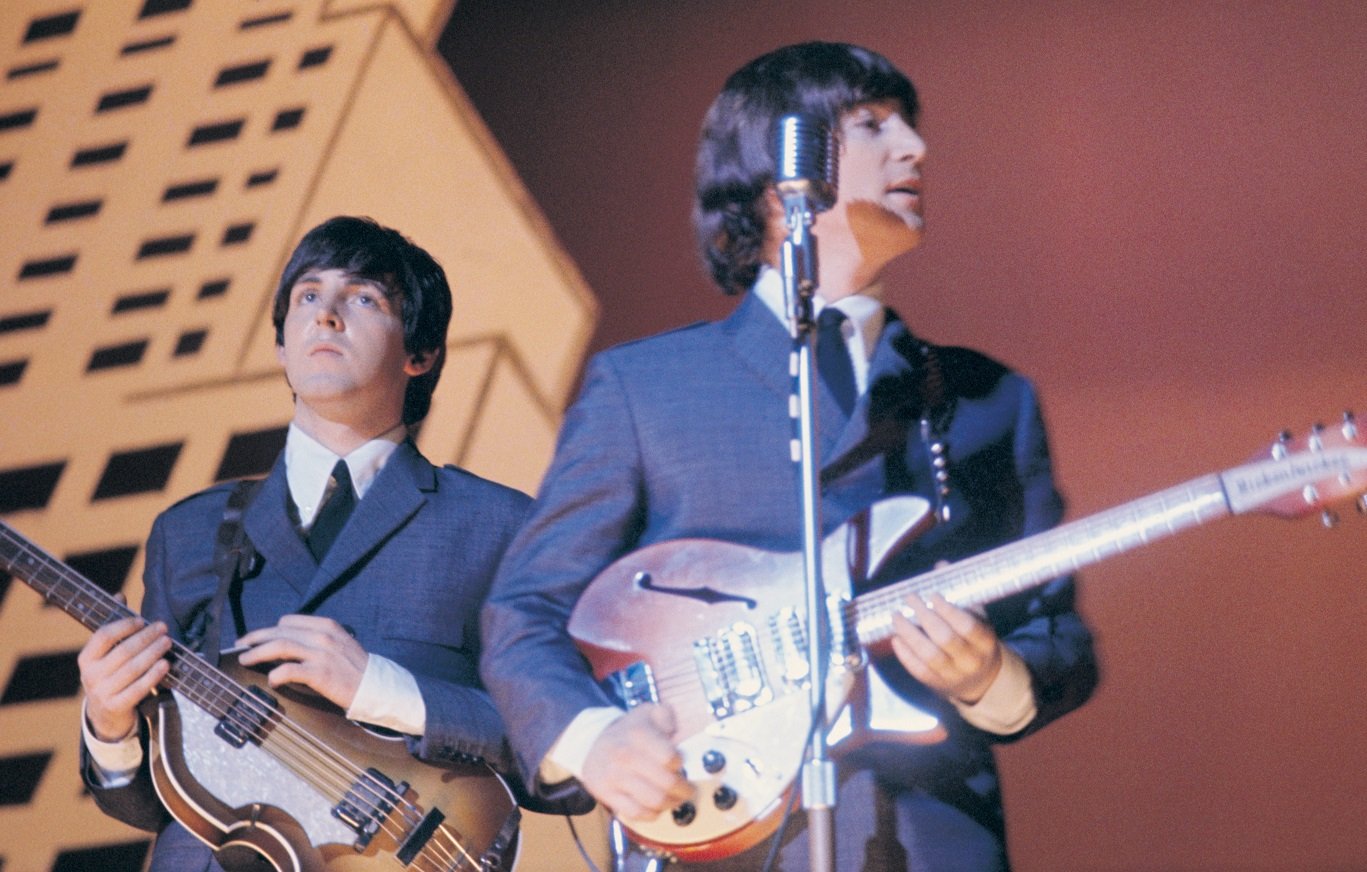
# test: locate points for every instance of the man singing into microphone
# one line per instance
(687, 434)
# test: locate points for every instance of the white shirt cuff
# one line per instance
(389, 697)
(112, 763)
(1009, 704)
(565, 760)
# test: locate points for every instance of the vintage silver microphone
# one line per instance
(805, 181)
(806, 172)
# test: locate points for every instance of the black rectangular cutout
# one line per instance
(165, 245)
(201, 188)
(26, 321)
(48, 266)
(190, 343)
(213, 288)
(11, 372)
(15, 120)
(145, 300)
(51, 26)
(28, 488)
(123, 99)
(207, 133)
(114, 356)
(125, 857)
(43, 676)
(242, 73)
(151, 8)
(147, 45)
(264, 177)
(5, 169)
(108, 568)
(264, 20)
(73, 211)
(135, 472)
(19, 777)
(32, 69)
(251, 453)
(287, 119)
(99, 154)
(315, 57)
(238, 234)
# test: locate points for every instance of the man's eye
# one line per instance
(307, 296)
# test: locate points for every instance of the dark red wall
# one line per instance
(1158, 210)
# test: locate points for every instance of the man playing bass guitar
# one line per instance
(370, 567)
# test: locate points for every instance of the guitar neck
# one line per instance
(211, 689)
(1004, 571)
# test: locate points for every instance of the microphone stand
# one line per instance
(799, 285)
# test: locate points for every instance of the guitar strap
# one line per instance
(235, 559)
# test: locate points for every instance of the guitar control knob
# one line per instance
(684, 814)
(713, 761)
(724, 798)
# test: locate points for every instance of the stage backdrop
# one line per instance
(158, 161)
(1156, 209)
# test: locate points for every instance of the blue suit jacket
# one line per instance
(406, 575)
(686, 435)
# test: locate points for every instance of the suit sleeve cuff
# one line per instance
(388, 696)
(565, 759)
(112, 764)
(1009, 704)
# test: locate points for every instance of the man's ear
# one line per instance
(420, 362)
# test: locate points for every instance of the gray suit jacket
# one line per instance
(686, 435)
(406, 576)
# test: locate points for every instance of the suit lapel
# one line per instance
(395, 495)
(762, 343)
(878, 422)
(271, 529)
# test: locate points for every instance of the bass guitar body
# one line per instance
(258, 811)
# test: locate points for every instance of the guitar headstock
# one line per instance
(1306, 474)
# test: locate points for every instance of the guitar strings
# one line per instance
(285, 740)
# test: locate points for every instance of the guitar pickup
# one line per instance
(249, 718)
(367, 803)
(731, 670)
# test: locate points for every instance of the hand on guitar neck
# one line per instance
(121, 664)
(947, 649)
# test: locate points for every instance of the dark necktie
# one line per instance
(833, 357)
(332, 517)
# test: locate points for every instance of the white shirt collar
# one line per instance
(308, 467)
(863, 311)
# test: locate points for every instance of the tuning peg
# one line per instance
(1316, 440)
(1350, 427)
(1362, 504)
(1279, 447)
(1329, 518)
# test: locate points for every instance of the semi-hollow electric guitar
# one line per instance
(280, 776)
(717, 630)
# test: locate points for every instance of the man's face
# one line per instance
(343, 348)
(878, 202)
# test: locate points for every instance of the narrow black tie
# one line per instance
(332, 517)
(833, 357)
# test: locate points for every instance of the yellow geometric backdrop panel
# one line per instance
(159, 159)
